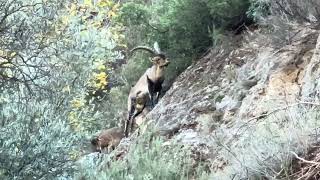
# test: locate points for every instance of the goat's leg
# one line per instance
(151, 88)
(110, 148)
(126, 128)
(158, 94)
(129, 120)
(152, 101)
(136, 113)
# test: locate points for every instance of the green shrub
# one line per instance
(145, 161)
(228, 14)
(180, 27)
(35, 142)
(48, 58)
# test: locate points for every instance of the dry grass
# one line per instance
(306, 167)
(262, 147)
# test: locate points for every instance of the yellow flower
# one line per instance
(72, 116)
(73, 9)
(100, 80)
(77, 103)
(74, 155)
(65, 20)
(97, 86)
(101, 75)
(101, 67)
(115, 7)
(103, 81)
(97, 24)
(74, 121)
(12, 54)
(4, 63)
(111, 14)
(123, 45)
(88, 2)
(102, 4)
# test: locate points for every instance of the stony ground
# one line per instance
(243, 108)
(239, 85)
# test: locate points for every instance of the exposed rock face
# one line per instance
(310, 88)
(237, 106)
(237, 85)
(216, 83)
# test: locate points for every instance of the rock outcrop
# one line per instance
(243, 107)
(238, 87)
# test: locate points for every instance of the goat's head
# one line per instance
(106, 139)
(96, 144)
(159, 59)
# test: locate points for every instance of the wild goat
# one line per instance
(108, 139)
(149, 85)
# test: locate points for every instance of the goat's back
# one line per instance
(111, 136)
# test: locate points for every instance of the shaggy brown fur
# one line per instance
(108, 139)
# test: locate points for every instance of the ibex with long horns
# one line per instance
(149, 85)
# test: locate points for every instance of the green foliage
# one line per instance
(180, 27)
(34, 145)
(154, 163)
(133, 13)
(144, 161)
(135, 67)
(228, 13)
(49, 54)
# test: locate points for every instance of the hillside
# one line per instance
(237, 82)
(245, 109)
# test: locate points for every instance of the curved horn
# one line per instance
(142, 48)
(157, 48)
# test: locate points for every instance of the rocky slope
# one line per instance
(241, 104)
(245, 109)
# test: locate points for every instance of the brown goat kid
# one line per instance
(149, 85)
(108, 139)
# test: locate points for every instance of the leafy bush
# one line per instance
(52, 51)
(38, 144)
(228, 14)
(180, 27)
(144, 161)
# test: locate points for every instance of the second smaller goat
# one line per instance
(108, 139)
